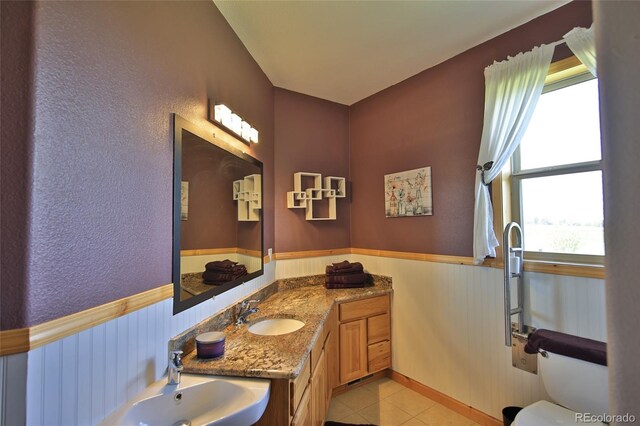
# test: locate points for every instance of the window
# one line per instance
(556, 172)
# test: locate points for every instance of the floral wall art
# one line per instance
(408, 193)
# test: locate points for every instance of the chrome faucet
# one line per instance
(246, 310)
(175, 367)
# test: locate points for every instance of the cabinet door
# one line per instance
(353, 350)
(303, 414)
(318, 392)
(331, 353)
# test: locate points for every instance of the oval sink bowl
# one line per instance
(200, 400)
(276, 326)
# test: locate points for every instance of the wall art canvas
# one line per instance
(184, 200)
(408, 193)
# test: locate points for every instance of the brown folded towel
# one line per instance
(568, 345)
(338, 285)
(215, 282)
(342, 265)
(352, 268)
(215, 276)
(346, 279)
(220, 265)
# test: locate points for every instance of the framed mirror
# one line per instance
(217, 216)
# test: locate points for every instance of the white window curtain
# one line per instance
(582, 44)
(512, 90)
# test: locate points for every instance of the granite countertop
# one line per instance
(282, 356)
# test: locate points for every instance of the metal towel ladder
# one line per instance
(520, 359)
(516, 252)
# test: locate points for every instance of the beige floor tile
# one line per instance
(410, 401)
(384, 387)
(355, 419)
(357, 398)
(384, 414)
(338, 411)
(439, 415)
(413, 422)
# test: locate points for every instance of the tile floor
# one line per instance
(388, 403)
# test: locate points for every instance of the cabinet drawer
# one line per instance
(298, 385)
(379, 356)
(378, 328)
(364, 308)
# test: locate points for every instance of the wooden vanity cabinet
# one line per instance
(365, 337)
(332, 354)
(319, 392)
(304, 411)
(311, 390)
(353, 350)
(353, 342)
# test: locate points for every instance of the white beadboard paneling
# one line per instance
(122, 359)
(447, 333)
(196, 263)
(85, 386)
(69, 380)
(133, 357)
(13, 389)
(448, 328)
(572, 305)
(98, 372)
(109, 365)
(306, 266)
(82, 378)
(35, 386)
(52, 382)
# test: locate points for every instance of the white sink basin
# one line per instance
(201, 400)
(276, 326)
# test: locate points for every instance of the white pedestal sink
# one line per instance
(197, 400)
(276, 326)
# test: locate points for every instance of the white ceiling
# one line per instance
(344, 51)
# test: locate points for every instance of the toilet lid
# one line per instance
(545, 413)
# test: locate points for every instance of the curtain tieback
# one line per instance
(486, 166)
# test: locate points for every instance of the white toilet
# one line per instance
(575, 385)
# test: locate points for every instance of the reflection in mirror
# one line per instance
(217, 238)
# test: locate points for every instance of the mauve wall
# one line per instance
(435, 119)
(212, 218)
(107, 76)
(313, 136)
(16, 43)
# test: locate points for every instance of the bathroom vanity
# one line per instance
(346, 337)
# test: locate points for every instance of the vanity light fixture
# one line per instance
(232, 122)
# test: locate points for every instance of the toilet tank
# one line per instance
(578, 385)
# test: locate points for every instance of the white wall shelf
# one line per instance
(248, 193)
(329, 188)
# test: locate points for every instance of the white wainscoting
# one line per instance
(13, 387)
(80, 379)
(447, 334)
(448, 331)
(307, 266)
(189, 264)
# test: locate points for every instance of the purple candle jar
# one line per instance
(210, 345)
